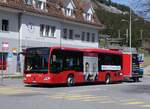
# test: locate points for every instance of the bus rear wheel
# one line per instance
(136, 79)
(107, 79)
(70, 81)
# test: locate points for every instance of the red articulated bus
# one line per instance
(62, 65)
(109, 64)
(133, 66)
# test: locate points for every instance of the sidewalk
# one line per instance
(147, 70)
(15, 75)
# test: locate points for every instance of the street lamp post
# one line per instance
(130, 43)
(130, 35)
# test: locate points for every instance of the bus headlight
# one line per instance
(28, 75)
(46, 78)
(121, 74)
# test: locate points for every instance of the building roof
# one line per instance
(85, 5)
(54, 9)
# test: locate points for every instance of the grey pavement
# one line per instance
(15, 95)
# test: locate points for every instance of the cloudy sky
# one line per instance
(122, 1)
(133, 4)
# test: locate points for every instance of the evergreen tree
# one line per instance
(109, 2)
(106, 2)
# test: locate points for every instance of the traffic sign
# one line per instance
(10, 55)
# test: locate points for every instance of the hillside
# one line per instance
(114, 23)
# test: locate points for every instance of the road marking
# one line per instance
(80, 97)
(62, 93)
(9, 91)
(98, 99)
(77, 97)
(87, 100)
(56, 97)
(72, 97)
(106, 102)
(87, 90)
(145, 106)
(135, 103)
(127, 100)
(14, 91)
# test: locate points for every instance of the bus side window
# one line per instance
(54, 58)
(94, 67)
(86, 67)
(56, 62)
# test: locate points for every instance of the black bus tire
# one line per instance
(70, 81)
(136, 79)
(107, 79)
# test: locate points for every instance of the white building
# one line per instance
(34, 23)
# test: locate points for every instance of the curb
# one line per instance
(12, 76)
(146, 74)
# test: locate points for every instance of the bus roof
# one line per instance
(90, 50)
(100, 50)
(66, 48)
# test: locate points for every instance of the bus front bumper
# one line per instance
(37, 79)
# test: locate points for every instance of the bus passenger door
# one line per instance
(90, 68)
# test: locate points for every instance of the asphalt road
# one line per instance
(127, 95)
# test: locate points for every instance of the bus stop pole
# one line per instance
(2, 69)
(130, 35)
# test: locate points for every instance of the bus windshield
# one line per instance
(37, 60)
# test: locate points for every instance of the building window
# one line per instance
(41, 30)
(47, 30)
(93, 37)
(29, 2)
(70, 34)
(40, 5)
(83, 36)
(53, 29)
(77, 37)
(88, 17)
(88, 37)
(5, 25)
(65, 33)
(68, 12)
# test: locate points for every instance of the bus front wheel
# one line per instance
(107, 79)
(70, 80)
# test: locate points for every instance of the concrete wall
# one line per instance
(11, 37)
(78, 31)
(31, 37)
